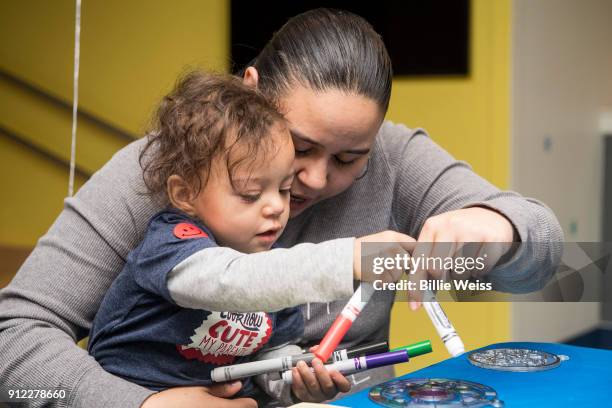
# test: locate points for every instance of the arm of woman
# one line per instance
(440, 199)
(51, 302)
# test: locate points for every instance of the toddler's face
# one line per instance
(251, 215)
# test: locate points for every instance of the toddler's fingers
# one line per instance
(324, 380)
(342, 383)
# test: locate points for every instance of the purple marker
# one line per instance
(356, 364)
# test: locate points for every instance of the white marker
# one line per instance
(237, 371)
(354, 365)
(445, 329)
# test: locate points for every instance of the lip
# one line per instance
(269, 235)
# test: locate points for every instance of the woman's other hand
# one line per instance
(487, 233)
(195, 397)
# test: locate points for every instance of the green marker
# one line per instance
(416, 349)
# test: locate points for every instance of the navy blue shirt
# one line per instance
(142, 335)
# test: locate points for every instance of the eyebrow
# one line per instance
(305, 138)
(258, 179)
(247, 180)
(302, 136)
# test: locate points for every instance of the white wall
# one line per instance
(561, 81)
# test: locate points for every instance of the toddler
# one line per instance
(221, 155)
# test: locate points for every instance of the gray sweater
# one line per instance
(53, 299)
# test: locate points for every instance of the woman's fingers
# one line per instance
(444, 249)
(227, 390)
(421, 253)
(459, 239)
(444, 244)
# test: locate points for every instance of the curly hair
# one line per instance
(204, 117)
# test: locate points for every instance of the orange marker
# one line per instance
(344, 321)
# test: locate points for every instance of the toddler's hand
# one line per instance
(387, 244)
(319, 386)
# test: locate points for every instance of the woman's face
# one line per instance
(333, 132)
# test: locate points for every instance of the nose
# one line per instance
(274, 207)
(313, 174)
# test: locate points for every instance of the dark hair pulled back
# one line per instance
(326, 49)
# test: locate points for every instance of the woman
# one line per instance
(356, 175)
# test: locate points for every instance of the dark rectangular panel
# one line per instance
(423, 37)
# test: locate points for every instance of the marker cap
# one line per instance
(332, 338)
(455, 346)
(417, 349)
(385, 359)
(287, 376)
(367, 349)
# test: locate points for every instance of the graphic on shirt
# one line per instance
(223, 336)
(185, 231)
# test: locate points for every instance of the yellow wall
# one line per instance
(131, 53)
(469, 117)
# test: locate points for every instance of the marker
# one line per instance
(359, 363)
(237, 371)
(445, 329)
(344, 321)
(345, 354)
(416, 349)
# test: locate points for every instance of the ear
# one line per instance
(251, 77)
(180, 194)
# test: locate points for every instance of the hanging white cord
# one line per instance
(75, 96)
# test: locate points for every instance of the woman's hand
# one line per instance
(200, 397)
(319, 386)
(387, 244)
(444, 235)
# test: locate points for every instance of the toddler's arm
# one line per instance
(221, 278)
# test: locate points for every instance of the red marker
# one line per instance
(344, 321)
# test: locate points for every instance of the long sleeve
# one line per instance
(429, 181)
(269, 281)
(51, 302)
